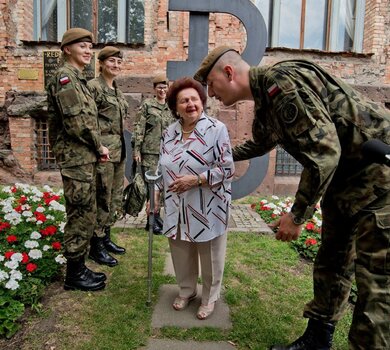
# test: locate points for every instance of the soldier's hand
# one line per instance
(104, 154)
(287, 230)
(137, 158)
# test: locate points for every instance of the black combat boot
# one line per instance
(157, 229)
(78, 277)
(159, 220)
(110, 245)
(97, 276)
(318, 336)
(147, 223)
(99, 254)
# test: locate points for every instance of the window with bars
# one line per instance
(329, 25)
(110, 21)
(286, 165)
(45, 157)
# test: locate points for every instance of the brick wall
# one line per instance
(166, 38)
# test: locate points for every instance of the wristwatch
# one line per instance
(297, 220)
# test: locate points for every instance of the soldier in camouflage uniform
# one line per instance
(322, 122)
(152, 118)
(112, 108)
(75, 140)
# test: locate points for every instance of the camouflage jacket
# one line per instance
(322, 122)
(112, 108)
(73, 126)
(151, 120)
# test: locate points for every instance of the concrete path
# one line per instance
(243, 219)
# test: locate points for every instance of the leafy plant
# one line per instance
(31, 232)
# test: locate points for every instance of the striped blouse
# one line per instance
(201, 212)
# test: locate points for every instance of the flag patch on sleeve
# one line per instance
(64, 80)
(273, 90)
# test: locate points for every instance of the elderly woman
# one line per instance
(197, 169)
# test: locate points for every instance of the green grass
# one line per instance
(266, 286)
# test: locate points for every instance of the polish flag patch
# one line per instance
(273, 90)
(64, 80)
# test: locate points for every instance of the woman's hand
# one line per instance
(183, 183)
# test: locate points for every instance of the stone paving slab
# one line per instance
(165, 315)
(161, 344)
(242, 219)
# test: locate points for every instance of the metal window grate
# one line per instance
(45, 157)
(286, 165)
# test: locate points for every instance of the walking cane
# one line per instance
(151, 178)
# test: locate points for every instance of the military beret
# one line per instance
(160, 78)
(75, 35)
(209, 61)
(109, 51)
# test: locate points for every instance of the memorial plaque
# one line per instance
(51, 61)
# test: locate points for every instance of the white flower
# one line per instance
(2, 257)
(16, 275)
(60, 259)
(12, 264)
(12, 284)
(31, 244)
(47, 188)
(27, 213)
(46, 247)
(14, 218)
(35, 254)
(17, 257)
(35, 235)
(3, 276)
(50, 217)
(57, 206)
(62, 226)
(40, 209)
(275, 197)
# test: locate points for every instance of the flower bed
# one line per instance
(310, 239)
(31, 231)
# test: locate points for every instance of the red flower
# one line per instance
(13, 189)
(48, 197)
(49, 231)
(12, 239)
(310, 241)
(39, 216)
(56, 245)
(22, 199)
(19, 208)
(4, 226)
(31, 267)
(8, 254)
(25, 258)
(310, 226)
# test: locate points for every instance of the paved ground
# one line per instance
(243, 219)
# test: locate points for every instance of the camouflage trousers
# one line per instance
(109, 193)
(80, 201)
(357, 246)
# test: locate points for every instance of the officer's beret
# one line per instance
(109, 51)
(209, 61)
(160, 78)
(75, 35)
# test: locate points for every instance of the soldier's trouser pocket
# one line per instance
(79, 184)
(373, 237)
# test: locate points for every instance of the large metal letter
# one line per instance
(199, 10)
(256, 31)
